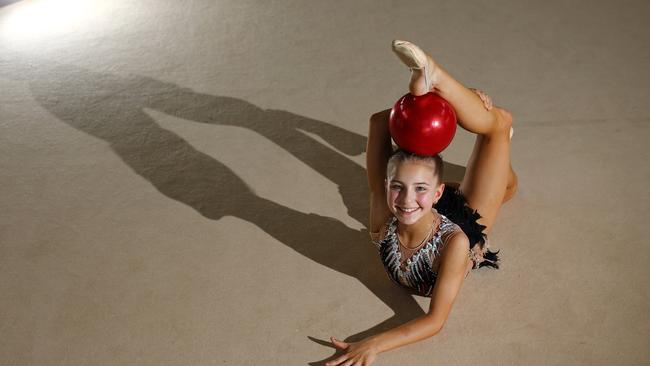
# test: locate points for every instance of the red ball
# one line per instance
(424, 124)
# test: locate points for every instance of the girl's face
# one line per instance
(412, 191)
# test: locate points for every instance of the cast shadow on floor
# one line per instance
(111, 108)
(7, 2)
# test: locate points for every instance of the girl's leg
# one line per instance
(488, 173)
(489, 179)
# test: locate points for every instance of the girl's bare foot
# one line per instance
(425, 74)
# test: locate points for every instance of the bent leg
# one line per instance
(489, 179)
(470, 110)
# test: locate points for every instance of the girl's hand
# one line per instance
(487, 102)
(361, 353)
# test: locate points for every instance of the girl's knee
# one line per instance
(505, 114)
(504, 119)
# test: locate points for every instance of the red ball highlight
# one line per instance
(423, 124)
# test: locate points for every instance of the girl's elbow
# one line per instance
(380, 117)
(437, 329)
(435, 326)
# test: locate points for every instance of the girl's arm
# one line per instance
(453, 268)
(452, 272)
(378, 152)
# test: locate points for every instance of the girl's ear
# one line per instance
(439, 191)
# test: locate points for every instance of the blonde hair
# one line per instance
(400, 155)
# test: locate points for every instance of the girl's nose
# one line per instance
(406, 196)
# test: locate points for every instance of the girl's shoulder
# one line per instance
(446, 223)
(448, 229)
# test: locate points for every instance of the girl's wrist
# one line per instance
(377, 343)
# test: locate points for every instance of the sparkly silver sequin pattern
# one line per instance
(417, 272)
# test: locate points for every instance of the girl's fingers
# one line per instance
(487, 102)
(337, 360)
(339, 344)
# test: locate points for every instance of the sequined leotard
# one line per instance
(419, 272)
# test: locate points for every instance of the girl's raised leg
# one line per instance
(488, 175)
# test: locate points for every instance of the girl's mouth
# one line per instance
(407, 211)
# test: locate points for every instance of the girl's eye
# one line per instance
(420, 189)
(395, 187)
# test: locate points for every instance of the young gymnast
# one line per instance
(431, 234)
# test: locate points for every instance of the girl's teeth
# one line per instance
(408, 210)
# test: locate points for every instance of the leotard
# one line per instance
(420, 271)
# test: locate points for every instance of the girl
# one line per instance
(430, 234)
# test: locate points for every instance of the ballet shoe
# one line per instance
(413, 57)
(410, 54)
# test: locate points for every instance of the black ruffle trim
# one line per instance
(454, 205)
(491, 259)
